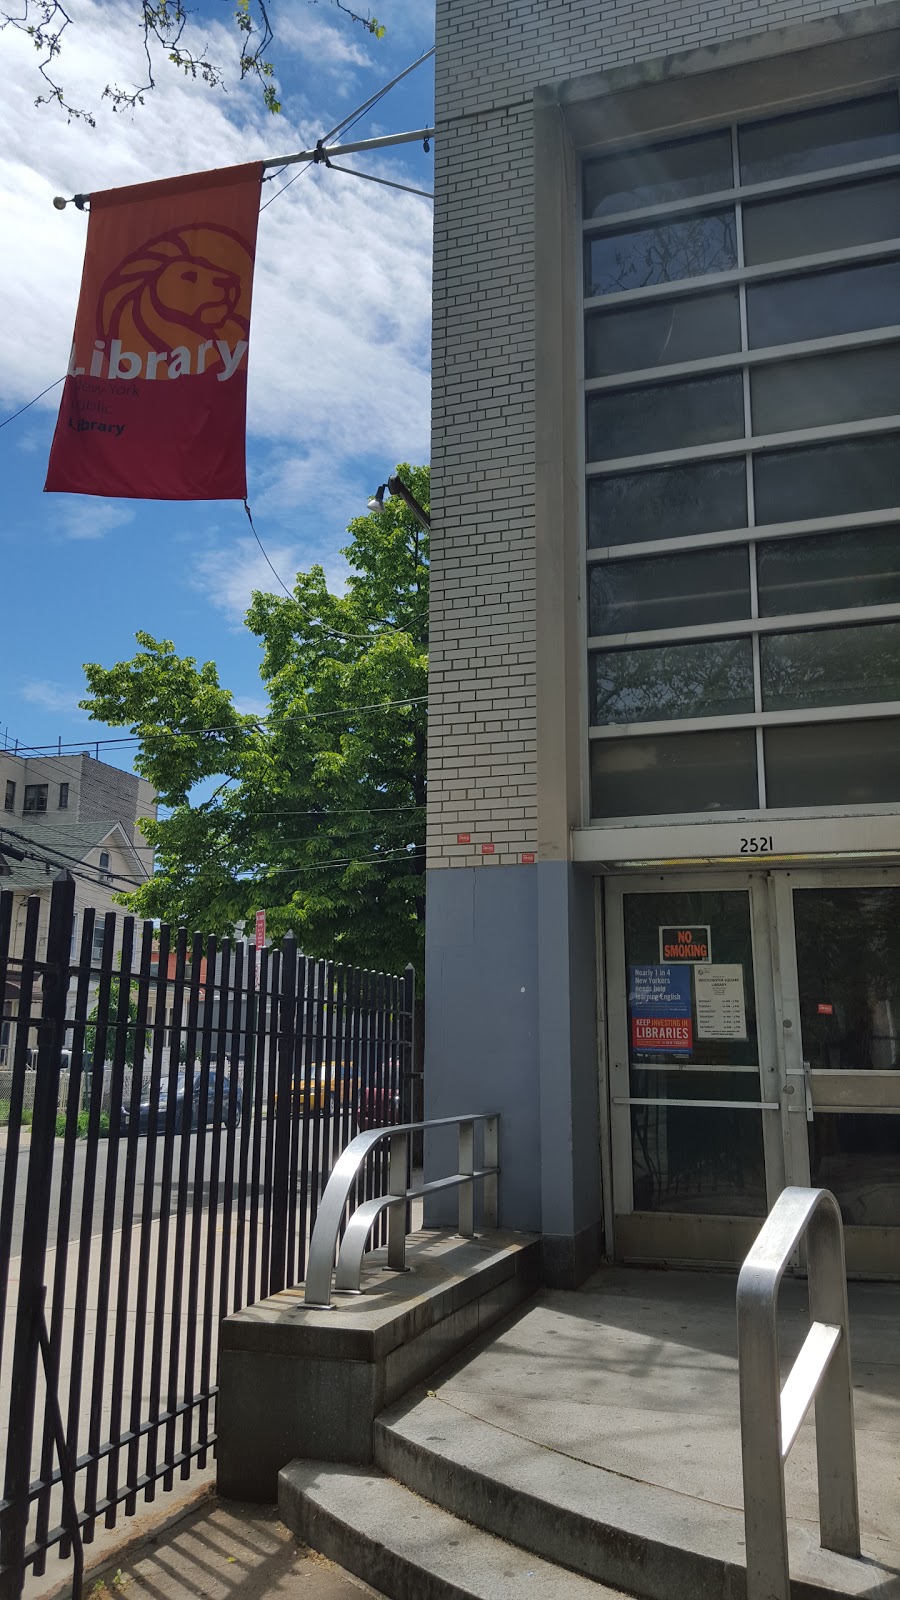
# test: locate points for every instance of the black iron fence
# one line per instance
(170, 1108)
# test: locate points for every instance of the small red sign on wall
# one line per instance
(464, 838)
(487, 849)
(527, 857)
(825, 1008)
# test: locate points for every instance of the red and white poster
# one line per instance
(260, 929)
(154, 404)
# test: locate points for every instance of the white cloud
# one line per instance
(229, 572)
(328, 45)
(340, 346)
(250, 705)
(52, 696)
(92, 518)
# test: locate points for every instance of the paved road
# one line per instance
(109, 1186)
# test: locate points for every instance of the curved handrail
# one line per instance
(771, 1416)
(346, 1170)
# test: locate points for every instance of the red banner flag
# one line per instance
(154, 404)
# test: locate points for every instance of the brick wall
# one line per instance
(491, 54)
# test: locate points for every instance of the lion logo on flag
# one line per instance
(181, 290)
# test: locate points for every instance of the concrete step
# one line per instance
(639, 1538)
(410, 1549)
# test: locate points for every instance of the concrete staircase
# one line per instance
(456, 1509)
(564, 1457)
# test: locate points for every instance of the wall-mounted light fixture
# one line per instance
(397, 487)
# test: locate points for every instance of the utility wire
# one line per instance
(276, 722)
(382, 859)
(335, 632)
(77, 861)
(7, 420)
(274, 197)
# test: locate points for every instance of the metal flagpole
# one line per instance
(323, 151)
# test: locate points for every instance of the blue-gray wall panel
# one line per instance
(481, 1025)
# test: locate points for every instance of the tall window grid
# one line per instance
(742, 427)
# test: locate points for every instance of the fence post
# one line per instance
(467, 1190)
(284, 1112)
(51, 1037)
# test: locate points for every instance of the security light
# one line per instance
(396, 486)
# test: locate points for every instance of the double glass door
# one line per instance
(754, 1041)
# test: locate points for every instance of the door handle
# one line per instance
(807, 1085)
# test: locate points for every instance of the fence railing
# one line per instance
(189, 1098)
(332, 1224)
(771, 1417)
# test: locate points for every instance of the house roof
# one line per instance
(59, 845)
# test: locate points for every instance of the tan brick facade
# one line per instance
(491, 56)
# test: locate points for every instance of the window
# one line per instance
(35, 798)
(104, 861)
(825, 480)
(829, 573)
(657, 174)
(820, 304)
(824, 219)
(813, 393)
(664, 416)
(668, 773)
(712, 678)
(64, 797)
(9, 803)
(685, 328)
(629, 508)
(670, 591)
(664, 252)
(690, 471)
(829, 136)
(837, 764)
(831, 667)
(97, 944)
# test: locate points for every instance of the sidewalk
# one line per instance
(218, 1550)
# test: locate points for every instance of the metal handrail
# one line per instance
(346, 1170)
(771, 1416)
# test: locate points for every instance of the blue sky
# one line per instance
(339, 354)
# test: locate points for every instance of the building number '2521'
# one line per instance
(758, 845)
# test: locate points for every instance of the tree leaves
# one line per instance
(319, 812)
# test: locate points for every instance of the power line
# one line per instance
(7, 420)
(77, 861)
(331, 811)
(349, 861)
(303, 716)
(335, 632)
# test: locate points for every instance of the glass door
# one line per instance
(697, 1149)
(839, 939)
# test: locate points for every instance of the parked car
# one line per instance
(375, 1107)
(187, 1104)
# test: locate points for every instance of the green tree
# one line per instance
(112, 1013)
(318, 815)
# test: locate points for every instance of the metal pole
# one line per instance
(320, 153)
(398, 1161)
(467, 1190)
(489, 1195)
(323, 152)
(379, 93)
(51, 1037)
(835, 1438)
